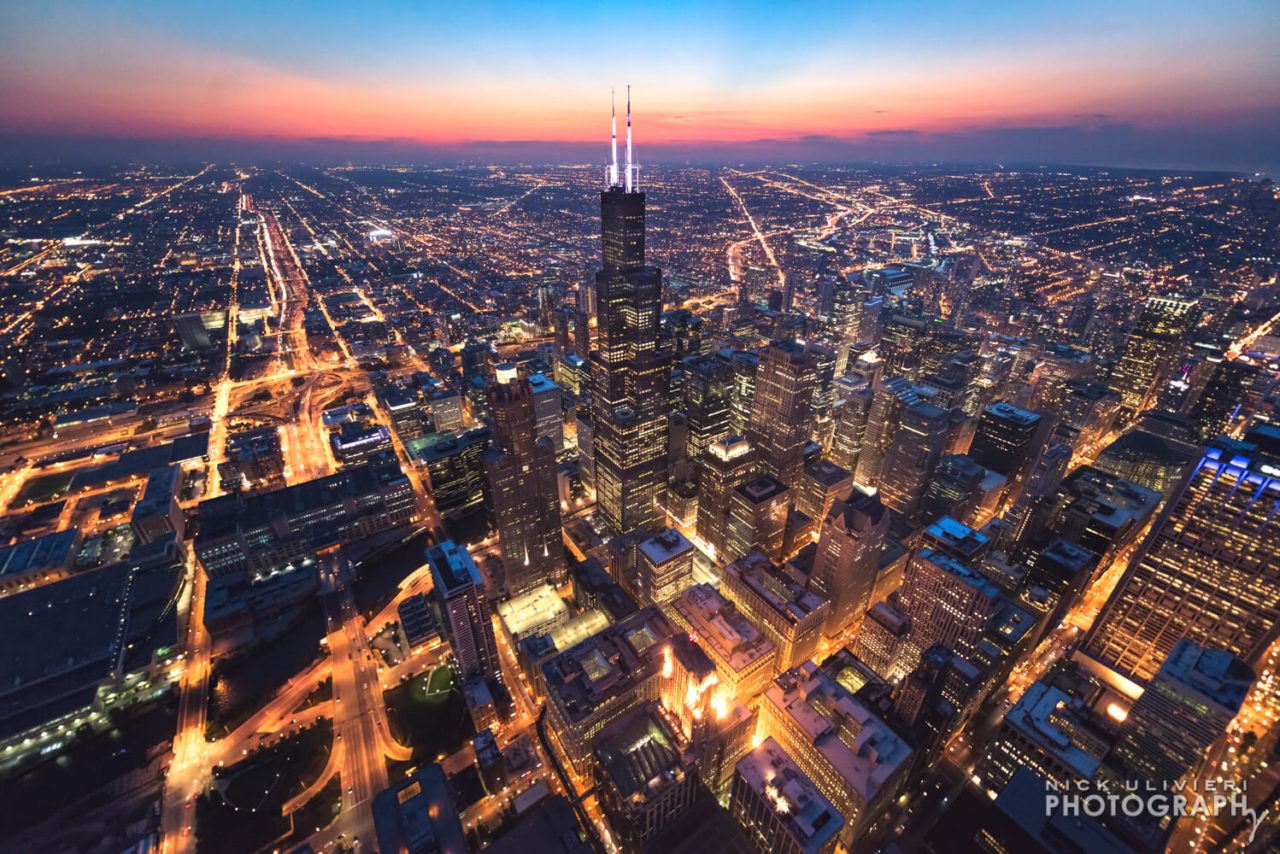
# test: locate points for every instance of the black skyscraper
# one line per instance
(629, 370)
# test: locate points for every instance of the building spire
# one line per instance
(630, 169)
(611, 175)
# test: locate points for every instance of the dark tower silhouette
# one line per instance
(628, 368)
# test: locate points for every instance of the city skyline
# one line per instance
(447, 505)
(1138, 85)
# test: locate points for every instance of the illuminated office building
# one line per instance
(1193, 697)
(822, 483)
(790, 615)
(947, 602)
(1094, 509)
(848, 558)
(782, 413)
(1224, 397)
(645, 777)
(604, 677)
(903, 342)
(664, 567)
(1149, 459)
(1087, 413)
(888, 399)
(743, 655)
(854, 758)
(1048, 731)
(522, 483)
(824, 391)
(726, 465)
(708, 400)
(628, 367)
(1060, 366)
(963, 490)
(745, 365)
(1207, 570)
(849, 430)
(912, 456)
(1151, 352)
(781, 809)
(881, 637)
(464, 609)
(757, 518)
(1009, 441)
(548, 410)
(455, 469)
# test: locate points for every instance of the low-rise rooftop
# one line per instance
(858, 746)
(811, 819)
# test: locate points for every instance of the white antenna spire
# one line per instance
(630, 174)
(612, 175)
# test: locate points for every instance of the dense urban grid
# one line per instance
(693, 509)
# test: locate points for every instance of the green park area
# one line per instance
(429, 713)
(45, 487)
(243, 812)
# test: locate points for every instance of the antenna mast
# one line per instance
(631, 169)
(611, 174)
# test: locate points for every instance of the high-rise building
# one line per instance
(848, 558)
(464, 609)
(1056, 573)
(726, 465)
(847, 303)
(757, 518)
(1048, 731)
(947, 602)
(1224, 395)
(1151, 352)
(628, 367)
(850, 427)
(1194, 695)
(1008, 441)
(564, 319)
(1150, 458)
(963, 490)
(821, 483)
(1087, 411)
(888, 398)
(605, 676)
(455, 469)
(779, 807)
(548, 410)
(708, 401)
(522, 483)
(682, 332)
(1061, 366)
(912, 456)
(782, 414)
(872, 320)
(645, 778)
(903, 343)
(1094, 509)
(881, 638)
(745, 365)
(824, 391)
(664, 567)
(1207, 569)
